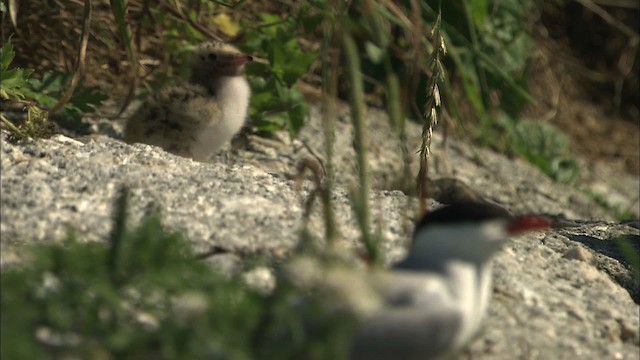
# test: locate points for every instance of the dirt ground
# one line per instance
(579, 65)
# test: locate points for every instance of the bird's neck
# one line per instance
(233, 92)
(216, 84)
(220, 83)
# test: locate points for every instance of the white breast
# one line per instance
(471, 289)
(232, 98)
(233, 94)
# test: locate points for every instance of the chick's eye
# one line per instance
(213, 57)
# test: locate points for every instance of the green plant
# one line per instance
(14, 80)
(621, 214)
(17, 85)
(630, 253)
(546, 147)
(491, 50)
(48, 91)
(276, 103)
(144, 295)
(13, 87)
(349, 30)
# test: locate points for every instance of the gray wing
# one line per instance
(172, 118)
(407, 333)
(419, 320)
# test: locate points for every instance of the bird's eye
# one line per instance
(213, 57)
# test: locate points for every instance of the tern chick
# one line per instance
(196, 118)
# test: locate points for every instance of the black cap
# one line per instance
(469, 212)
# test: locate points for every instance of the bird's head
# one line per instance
(471, 231)
(214, 59)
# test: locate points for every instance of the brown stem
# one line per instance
(80, 62)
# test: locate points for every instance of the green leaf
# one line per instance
(564, 169)
(469, 79)
(375, 53)
(262, 100)
(271, 122)
(269, 18)
(479, 10)
(545, 146)
(119, 9)
(277, 59)
(275, 104)
(630, 253)
(7, 55)
(86, 99)
(48, 91)
(39, 97)
(297, 116)
(298, 66)
(311, 23)
(13, 80)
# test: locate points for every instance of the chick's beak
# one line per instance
(238, 60)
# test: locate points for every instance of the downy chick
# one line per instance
(196, 118)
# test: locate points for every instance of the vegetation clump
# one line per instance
(146, 295)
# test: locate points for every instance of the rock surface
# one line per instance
(546, 305)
